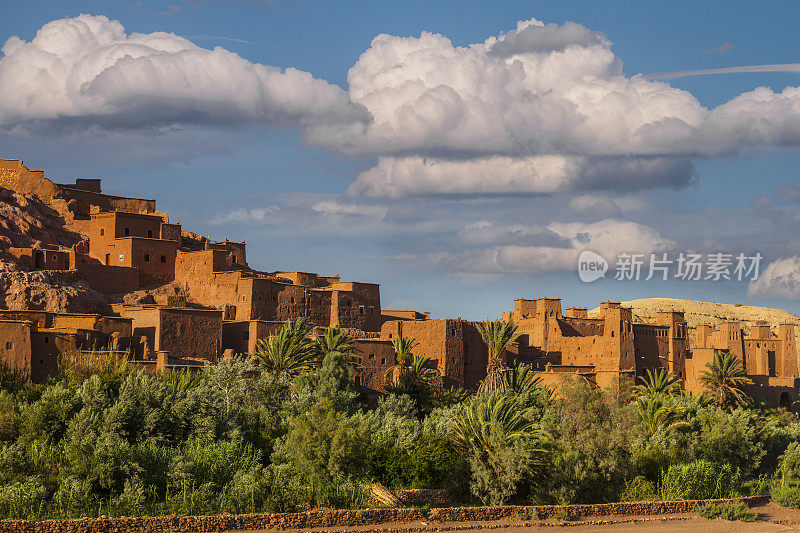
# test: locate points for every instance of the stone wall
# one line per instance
(347, 518)
(470, 514)
(335, 518)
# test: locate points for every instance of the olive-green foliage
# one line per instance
(653, 461)
(593, 438)
(639, 489)
(503, 442)
(323, 445)
(46, 419)
(333, 380)
(700, 480)
(12, 379)
(790, 461)
(729, 438)
(415, 379)
(735, 510)
(9, 416)
(786, 494)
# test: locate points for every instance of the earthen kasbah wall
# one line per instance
(73, 201)
(605, 349)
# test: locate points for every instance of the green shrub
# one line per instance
(47, 418)
(639, 489)
(736, 510)
(72, 498)
(323, 445)
(790, 461)
(699, 480)
(652, 462)
(9, 417)
(786, 495)
(24, 500)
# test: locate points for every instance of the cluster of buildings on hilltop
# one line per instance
(210, 303)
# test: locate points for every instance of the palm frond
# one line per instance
(725, 379)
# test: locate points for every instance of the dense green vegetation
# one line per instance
(287, 431)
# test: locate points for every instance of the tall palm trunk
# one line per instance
(497, 335)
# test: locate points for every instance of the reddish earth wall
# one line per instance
(345, 518)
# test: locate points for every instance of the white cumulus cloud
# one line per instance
(536, 110)
(781, 279)
(255, 215)
(338, 208)
(608, 237)
(87, 69)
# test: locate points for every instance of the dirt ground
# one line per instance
(771, 518)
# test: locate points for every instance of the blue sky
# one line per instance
(447, 220)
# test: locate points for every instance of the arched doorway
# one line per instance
(786, 400)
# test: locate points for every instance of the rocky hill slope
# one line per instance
(27, 222)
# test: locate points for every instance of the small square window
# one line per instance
(163, 258)
(127, 231)
(146, 258)
(102, 232)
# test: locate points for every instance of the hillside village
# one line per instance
(84, 270)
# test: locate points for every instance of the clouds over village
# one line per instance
(541, 121)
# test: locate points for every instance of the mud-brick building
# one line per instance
(454, 346)
(72, 201)
(215, 278)
(36, 340)
(769, 358)
(601, 349)
(241, 336)
(180, 332)
(145, 242)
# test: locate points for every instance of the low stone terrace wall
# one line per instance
(344, 518)
(479, 514)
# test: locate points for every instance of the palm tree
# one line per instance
(490, 415)
(299, 328)
(334, 340)
(403, 348)
(725, 379)
(497, 335)
(288, 352)
(656, 413)
(417, 373)
(658, 381)
(521, 378)
(416, 379)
